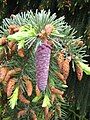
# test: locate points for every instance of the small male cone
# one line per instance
(79, 72)
(21, 113)
(66, 68)
(60, 60)
(3, 72)
(22, 98)
(29, 86)
(21, 52)
(37, 91)
(34, 117)
(3, 40)
(46, 110)
(10, 87)
(61, 77)
(42, 65)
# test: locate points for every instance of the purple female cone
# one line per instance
(42, 65)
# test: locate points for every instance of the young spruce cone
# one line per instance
(42, 65)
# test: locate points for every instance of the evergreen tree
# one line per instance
(27, 93)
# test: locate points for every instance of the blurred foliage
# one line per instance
(2, 9)
(77, 14)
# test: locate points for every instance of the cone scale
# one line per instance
(42, 65)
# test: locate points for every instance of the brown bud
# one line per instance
(46, 110)
(65, 68)
(37, 91)
(53, 97)
(61, 77)
(2, 53)
(60, 59)
(48, 29)
(79, 43)
(7, 77)
(21, 113)
(43, 32)
(56, 91)
(42, 35)
(3, 72)
(29, 87)
(14, 47)
(12, 26)
(58, 109)
(12, 29)
(50, 42)
(79, 72)
(10, 44)
(61, 97)
(22, 98)
(3, 40)
(16, 29)
(50, 115)
(12, 73)
(21, 52)
(34, 117)
(10, 87)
